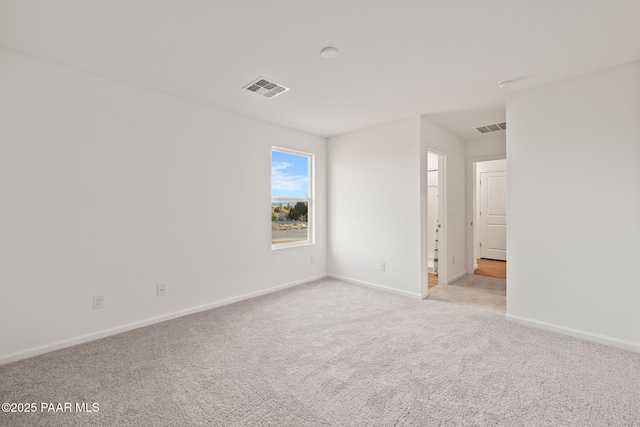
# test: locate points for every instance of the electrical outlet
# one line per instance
(383, 266)
(312, 260)
(162, 290)
(98, 302)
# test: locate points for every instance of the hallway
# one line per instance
(480, 291)
(491, 268)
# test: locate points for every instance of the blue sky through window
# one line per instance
(289, 175)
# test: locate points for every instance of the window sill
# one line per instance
(291, 245)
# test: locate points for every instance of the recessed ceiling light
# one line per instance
(506, 84)
(329, 52)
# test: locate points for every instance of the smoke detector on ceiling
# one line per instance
(329, 52)
(266, 87)
(506, 84)
(492, 128)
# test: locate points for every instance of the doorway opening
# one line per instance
(435, 219)
(490, 218)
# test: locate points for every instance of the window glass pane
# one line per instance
(290, 198)
(289, 175)
(289, 222)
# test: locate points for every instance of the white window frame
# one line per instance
(293, 200)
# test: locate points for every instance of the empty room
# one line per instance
(305, 213)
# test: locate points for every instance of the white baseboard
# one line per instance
(375, 286)
(35, 351)
(456, 277)
(587, 336)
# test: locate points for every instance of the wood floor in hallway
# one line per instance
(491, 268)
(486, 267)
(433, 280)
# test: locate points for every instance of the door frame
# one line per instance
(442, 214)
(471, 192)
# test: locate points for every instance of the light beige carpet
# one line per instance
(479, 291)
(330, 353)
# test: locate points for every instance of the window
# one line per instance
(291, 198)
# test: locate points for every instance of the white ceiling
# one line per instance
(397, 58)
(463, 123)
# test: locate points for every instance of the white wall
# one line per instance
(574, 206)
(487, 147)
(374, 207)
(109, 189)
(436, 138)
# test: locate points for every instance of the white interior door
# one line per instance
(493, 215)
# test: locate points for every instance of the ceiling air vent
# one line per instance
(492, 128)
(266, 87)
